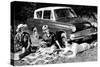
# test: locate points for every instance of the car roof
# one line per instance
(51, 8)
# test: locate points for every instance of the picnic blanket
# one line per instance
(42, 56)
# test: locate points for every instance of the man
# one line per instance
(49, 37)
(22, 41)
(59, 38)
(17, 39)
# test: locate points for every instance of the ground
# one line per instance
(88, 55)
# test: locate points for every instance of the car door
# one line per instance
(48, 20)
(53, 25)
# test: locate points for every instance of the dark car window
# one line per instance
(47, 14)
(64, 13)
(39, 14)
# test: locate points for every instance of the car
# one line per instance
(62, 19)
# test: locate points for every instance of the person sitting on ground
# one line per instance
(22, 40)
(59, 38)
(49, 37)
(35, 43)
(25, 38)
(35, 39)
(17, 38)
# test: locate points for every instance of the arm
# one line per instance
(58, 44)
(29, 42)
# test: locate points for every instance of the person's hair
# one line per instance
(20, 29)
(32, 28)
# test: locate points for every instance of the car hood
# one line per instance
(71, 20)
(77, 22)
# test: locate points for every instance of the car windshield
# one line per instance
(64, 13)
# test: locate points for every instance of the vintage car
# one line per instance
(62, 19)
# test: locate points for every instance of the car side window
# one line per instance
(47, 14)
(39, 14)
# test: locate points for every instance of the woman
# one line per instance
(35, 40)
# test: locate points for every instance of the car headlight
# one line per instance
(94, 24)
(73, 28)
(72, 36)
